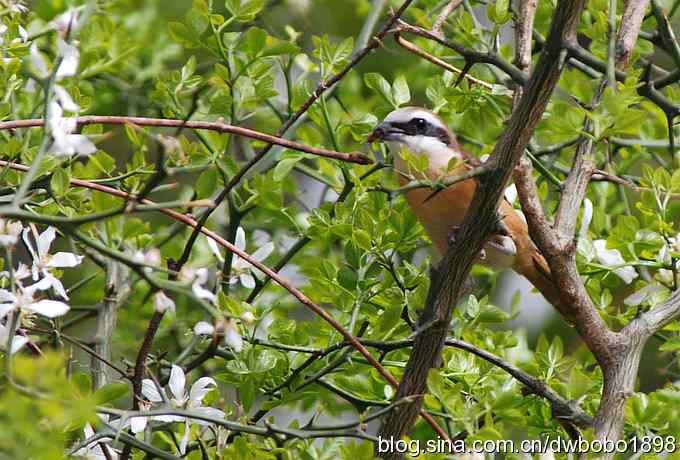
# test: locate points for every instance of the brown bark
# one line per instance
(448, 281)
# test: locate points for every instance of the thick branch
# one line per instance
(481, 219)
(633, 14)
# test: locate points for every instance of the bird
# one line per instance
(418, 131)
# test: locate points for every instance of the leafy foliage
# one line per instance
(353, 249)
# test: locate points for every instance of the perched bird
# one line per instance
(417, 131)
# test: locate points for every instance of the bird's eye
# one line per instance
(420, 124)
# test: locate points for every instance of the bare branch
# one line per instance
(445, 13)
(523, 33)
(633, 14)
(116, 293)
(208, 125)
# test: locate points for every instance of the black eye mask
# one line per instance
(415, 127)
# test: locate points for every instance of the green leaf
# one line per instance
(60, 181)
(244, 10)
(284, 167)
(198, 21)
(400, 91)
(188, 69)
(499, 12)
(254, 41)
(363, 239)
(111, 392)
(390, 317)
(180, 33)
(206, 183)
(672, 344)
(380, 85)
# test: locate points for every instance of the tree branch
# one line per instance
(481, 219)
(207, 125)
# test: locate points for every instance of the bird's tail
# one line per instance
(533, 266)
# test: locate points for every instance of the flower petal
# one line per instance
(17, 343)
(639, 296)
(163, 303)
(5, 308)
(49, 308)
(586, 218)
(7, 296)
(233, 338)
(177, 382)
(202, 293)
(29, 245)
(65, 260)
(200, 388)
(612, 257)
(169, 418)
(70, 57)
(45, 240)
(138, 424)
(150, 391)
(607, 256)
(263, 252)
(208, 412)
(38, 61)
(215, 249)
(627, 274)
(247, 280)
(65, 99)
(240, 240)
(80, 144)
(185, 438)
(204, 328)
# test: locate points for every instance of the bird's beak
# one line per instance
(383, 131)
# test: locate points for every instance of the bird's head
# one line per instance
(416, 128)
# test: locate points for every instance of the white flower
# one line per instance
(612, 257)
(247, 317)
(18, 341)
(65, 21)
(16, 6)
(70, 56)
(197, 286)
(643, 294)
(586, 218)
(163, 303)
(241, 268)
(61, 129)
(24, 300)
(38, 62)
(65, 99)
(42, 259)
(96, 450)
(23, 34)
(138, 424)
(179, 399)
(150, 258)
(204, 328)
(9, 232)
(232, 337)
